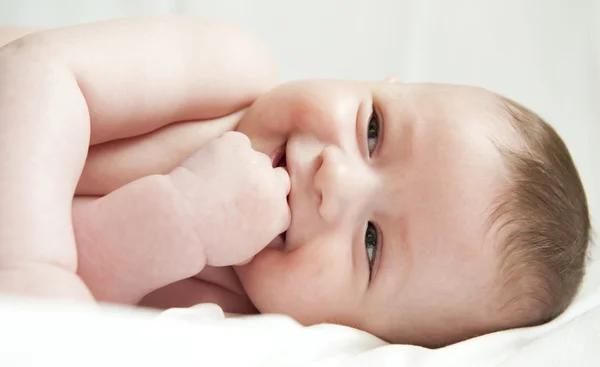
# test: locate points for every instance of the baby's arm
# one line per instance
(62, 90)
(223, 205)
(136, 239)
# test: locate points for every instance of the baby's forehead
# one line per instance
(462, 107)
(464, 96)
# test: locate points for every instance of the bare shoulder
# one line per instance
(177, 32)
(170, 67)
(8, 35)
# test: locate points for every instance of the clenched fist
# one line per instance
(220, 207)
(237, 199)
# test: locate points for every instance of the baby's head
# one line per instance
(422, 213)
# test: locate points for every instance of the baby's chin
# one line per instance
(265, 279)
(276, 245)
(273, 251)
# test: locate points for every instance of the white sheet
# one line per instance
(70, 335)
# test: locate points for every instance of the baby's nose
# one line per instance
(338, 182)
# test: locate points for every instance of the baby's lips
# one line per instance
(276, 155)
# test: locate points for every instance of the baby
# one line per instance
(422, 213)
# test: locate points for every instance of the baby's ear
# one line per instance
(391, 79)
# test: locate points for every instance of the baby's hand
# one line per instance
(238, 199)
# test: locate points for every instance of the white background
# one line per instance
(543, 53)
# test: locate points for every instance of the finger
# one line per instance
(237, 138)
(118, 162)
(245, 261)
(261, 160)
(284, 178)
(283, 211)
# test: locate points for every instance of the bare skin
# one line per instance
(390, 184)
(76, 101)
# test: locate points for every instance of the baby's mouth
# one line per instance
(279, 160)
(282, 161)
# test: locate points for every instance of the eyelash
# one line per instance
(371, 246)
(371, 234)
(373, 127)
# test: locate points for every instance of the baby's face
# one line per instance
(392, 187)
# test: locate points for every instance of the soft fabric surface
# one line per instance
(36, 333)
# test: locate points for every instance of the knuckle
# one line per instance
(259, 161)
(238, 137)
(264, 160)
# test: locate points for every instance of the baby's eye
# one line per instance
(371, 237)
(372, 132)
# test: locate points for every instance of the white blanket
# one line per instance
(51, 333)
